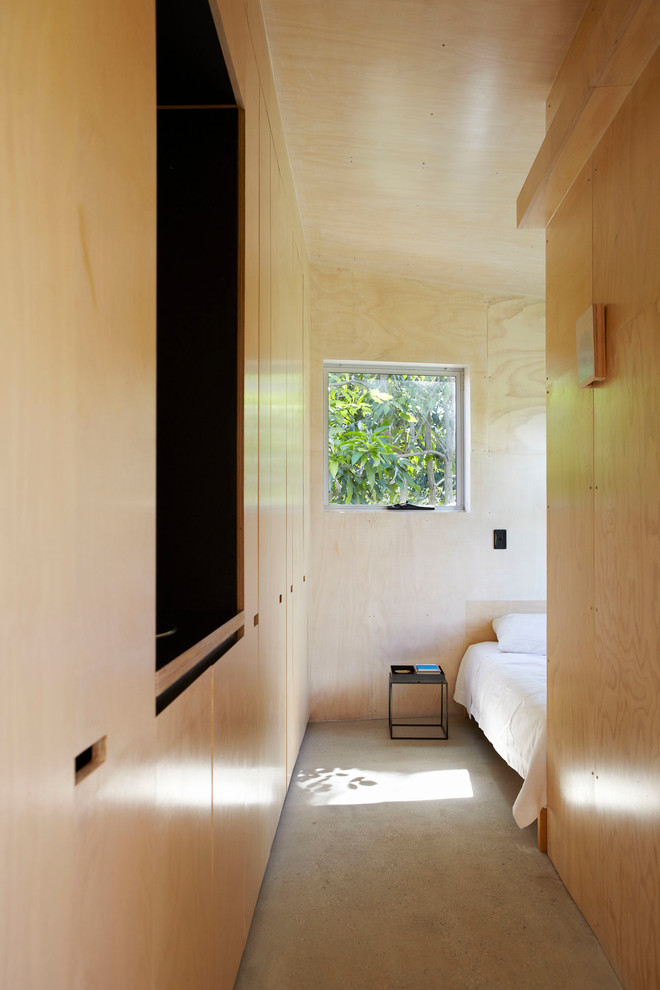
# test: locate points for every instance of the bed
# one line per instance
(502, 685)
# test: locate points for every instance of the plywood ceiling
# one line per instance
(411, 126)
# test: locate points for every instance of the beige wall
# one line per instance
(145, 874)
(396, 587)
(603, 484)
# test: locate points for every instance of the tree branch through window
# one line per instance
(392, 436)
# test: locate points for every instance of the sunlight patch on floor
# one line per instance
(339, 786)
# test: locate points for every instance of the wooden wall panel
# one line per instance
(78, 246)
(288, 317)
(279, 549)
(272, 658)
(479, 616)
(516, 376)
(627, 734)
(115, 365)
(268, 778)
(114, 547)
(255, 863)
(627, 476)
(393, 588)
(611, 47)
(627, 207)
(305, 464)
(230, 21)
(603, 476)
(339, 628)
(572, 664)
(146, 872)
(115, 869)
(37, 492)
(297, 707)
(569, 274)
(235, 801)
(183, 892)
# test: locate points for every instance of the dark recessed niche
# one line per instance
(198, 383)
(191, 66)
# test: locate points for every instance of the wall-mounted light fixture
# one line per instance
(590, 333)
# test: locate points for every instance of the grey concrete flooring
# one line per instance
(397, 866)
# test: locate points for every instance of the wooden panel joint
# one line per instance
(167, 676)
(616, 51)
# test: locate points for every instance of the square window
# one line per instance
(394, 433)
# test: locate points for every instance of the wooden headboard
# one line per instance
(479, 616)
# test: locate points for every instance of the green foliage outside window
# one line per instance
(391, 438)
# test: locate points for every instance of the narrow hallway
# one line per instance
(397, 866)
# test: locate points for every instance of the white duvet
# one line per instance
(506, 694)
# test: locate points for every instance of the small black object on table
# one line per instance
(406, 674)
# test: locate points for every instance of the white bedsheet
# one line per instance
(506, 694)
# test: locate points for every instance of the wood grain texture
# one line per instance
(542, 830)
(609, 52)
(627, 219)
(562, 156)
(604, 681)
(570, 546)
(116, 370)
(273, 689)
(276, 331)
(78, 316)
(115, 437)
(111, 884)
(570, 274)
(235, 806)
(254, 864)
(627, 631)
(410, 135)
(340, 650)
(393, 588)
(115, 868)
(297, 681)
(231, 25)
(572, 662)
(627, 208)
(184, 841)
(516, 376)
(611, 46)
(167, 676)
(37, 492)
(479, 616)
(269, 735)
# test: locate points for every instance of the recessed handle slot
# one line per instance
(89, 759)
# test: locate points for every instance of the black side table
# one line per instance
(443, 725)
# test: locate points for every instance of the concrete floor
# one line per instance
(397, 866)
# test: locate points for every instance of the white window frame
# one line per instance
(459, 372)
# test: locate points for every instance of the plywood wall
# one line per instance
(396, 587)
(256, 697)
(145, 874)
(603, 522)
(77, 319)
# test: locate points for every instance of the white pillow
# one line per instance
(521, 633)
